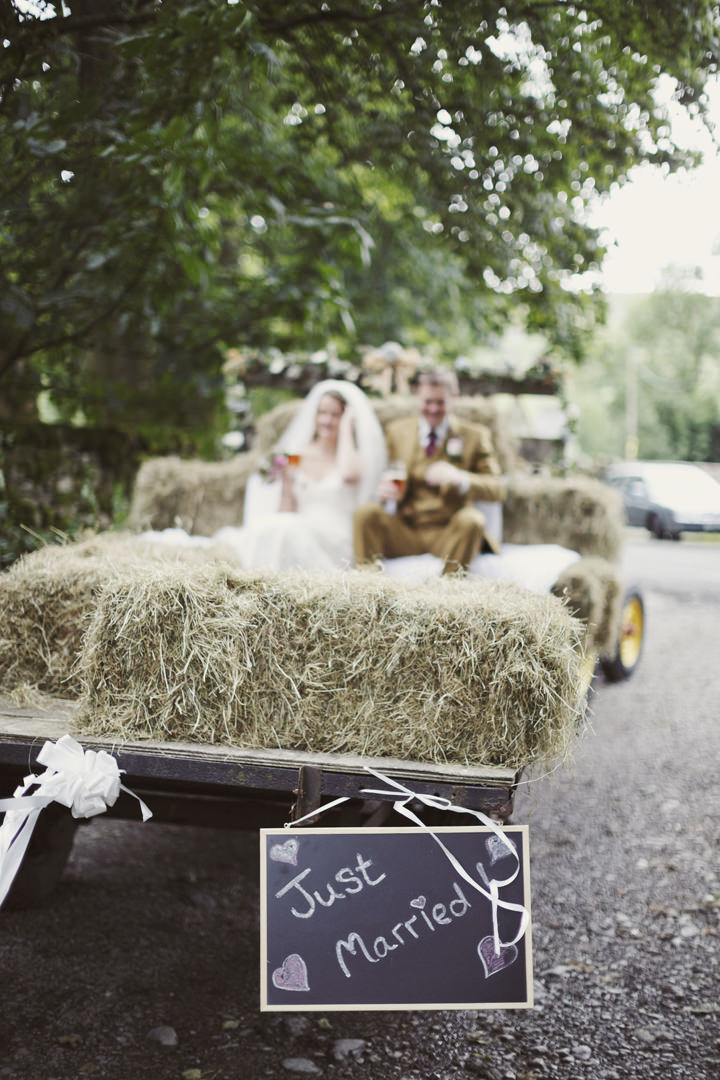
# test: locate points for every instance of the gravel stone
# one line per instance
(301, 1065)
(297, 1025)
(345, 1048)
(166, 1036)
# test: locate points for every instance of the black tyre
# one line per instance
(655, 526)
(630, 643)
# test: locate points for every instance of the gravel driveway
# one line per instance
(146, 963)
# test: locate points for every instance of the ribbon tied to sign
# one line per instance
(438, 802)
(86, 781)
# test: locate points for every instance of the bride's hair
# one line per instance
(336, 396)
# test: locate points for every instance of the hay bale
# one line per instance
(198, 496)
(270, 426)
(593, 593)
(460, 671)
(582, 514)
(47, 598)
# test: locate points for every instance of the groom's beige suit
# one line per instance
(442, 520)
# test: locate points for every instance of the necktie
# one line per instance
(431, 443)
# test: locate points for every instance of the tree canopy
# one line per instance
(184, 175)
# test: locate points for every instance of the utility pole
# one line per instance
(631, 405)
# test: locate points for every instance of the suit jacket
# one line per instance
(468, 446)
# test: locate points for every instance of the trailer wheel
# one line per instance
(629, 646)
(656, 527)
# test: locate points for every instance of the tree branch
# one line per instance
(72, 24)
(338, 15)
(76, 336)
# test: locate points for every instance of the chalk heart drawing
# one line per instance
(418, 902)
(492, 961)
(293, 975)
(498, 849)
(287, 852)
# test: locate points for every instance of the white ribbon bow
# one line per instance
(438, 802)
(86, 781)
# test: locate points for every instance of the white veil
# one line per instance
(368, 433)
(368, 437)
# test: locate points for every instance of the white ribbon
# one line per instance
(86, 781)
(438, 802)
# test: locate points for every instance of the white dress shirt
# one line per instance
(441, 432)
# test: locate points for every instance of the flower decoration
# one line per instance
(454, 446)
(271, 467)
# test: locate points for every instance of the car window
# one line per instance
(636, 488)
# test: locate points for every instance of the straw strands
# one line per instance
(593, 593)
(46, 600)
(456, 670)
(579, 513)
(271, 425)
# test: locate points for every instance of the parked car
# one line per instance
(667, 497)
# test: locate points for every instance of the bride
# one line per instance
(334, 453)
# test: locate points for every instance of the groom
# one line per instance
(450, 465)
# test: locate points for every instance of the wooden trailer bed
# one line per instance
(226, 787)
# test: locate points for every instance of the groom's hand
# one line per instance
(442, 472)
(386, 490)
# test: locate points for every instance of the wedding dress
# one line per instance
(316, 536)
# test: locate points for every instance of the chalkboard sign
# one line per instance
(384, 919)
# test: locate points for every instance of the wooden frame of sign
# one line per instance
(383, 919)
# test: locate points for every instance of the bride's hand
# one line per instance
(287, 475)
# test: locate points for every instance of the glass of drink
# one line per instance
(293, 459)
(396, 472)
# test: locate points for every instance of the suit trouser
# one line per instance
(378, 535)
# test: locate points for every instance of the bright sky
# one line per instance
(657, 221)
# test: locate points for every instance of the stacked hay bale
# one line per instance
(456, 671)
(579, 513)
(584, 515)
(593, 593)
(198, 496)
(270, 426)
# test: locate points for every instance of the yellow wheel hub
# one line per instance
(631, 633)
